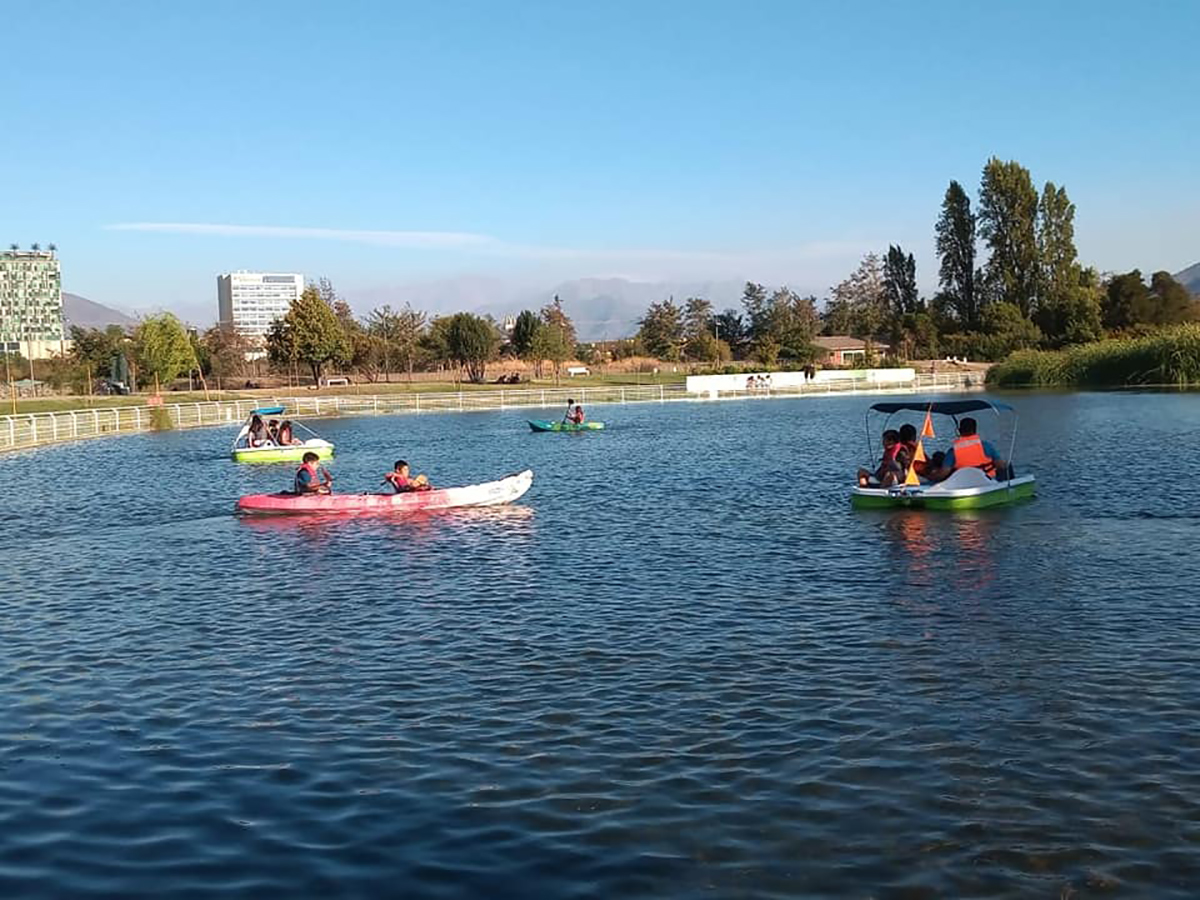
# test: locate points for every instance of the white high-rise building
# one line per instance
(250, 301)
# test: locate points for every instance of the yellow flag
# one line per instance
(919, 453)
(911, 477)
(927, 430)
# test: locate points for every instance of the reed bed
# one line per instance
(1167, 357)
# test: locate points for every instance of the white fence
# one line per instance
(35, 429)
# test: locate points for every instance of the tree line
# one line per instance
(1027, 288)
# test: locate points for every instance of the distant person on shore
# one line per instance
(891, 467)
(399, 480)
(312, 480)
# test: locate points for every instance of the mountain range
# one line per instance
(600, 307)
(86, 313)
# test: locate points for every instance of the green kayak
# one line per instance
(542, 425)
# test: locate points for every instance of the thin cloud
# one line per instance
(416, 239)
(494, 246)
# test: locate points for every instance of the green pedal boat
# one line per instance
(542, 425)
(965, 488)
(276, 449)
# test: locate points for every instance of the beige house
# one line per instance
(843, 350)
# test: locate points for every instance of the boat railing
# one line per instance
(27, 430)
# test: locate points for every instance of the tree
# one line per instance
(310, 333)
(699, 342)
(1058, 268)
(97, 347)
(227, 351)
(661, 330)
(837, 317)
(1080, 310)
(1008, 208)
(792, 322)
(398, 335)
(864, 299)
(729, 327)
(471, 342)
(1007, 329)
(554, 316)
(765, 349)
(1174, 302)
(550, 342)
(523, 332)
(1126, 300)
(758, 310)
(956, 251)
(163, 348)
(900, 282)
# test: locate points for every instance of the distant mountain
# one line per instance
(600, 307)
(87, 314)
(1190, 278)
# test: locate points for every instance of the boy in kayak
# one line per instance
(310, 479)
(892, 466)
(398, 479)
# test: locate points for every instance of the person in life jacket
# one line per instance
(310, 479)
(892, 466)
(970, 451)
(398, 479)
(577, 415)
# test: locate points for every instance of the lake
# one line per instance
(680, 666)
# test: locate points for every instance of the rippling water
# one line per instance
(681, 666)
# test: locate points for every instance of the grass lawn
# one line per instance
(62, 404)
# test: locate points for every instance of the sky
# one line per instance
(384, 144)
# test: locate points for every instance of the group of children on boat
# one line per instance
(968, 451)
(272, 433)
(314, 479)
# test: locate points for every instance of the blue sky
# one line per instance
(383, 144)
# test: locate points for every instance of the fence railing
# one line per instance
(36, 429)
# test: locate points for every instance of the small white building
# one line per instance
(248, 302)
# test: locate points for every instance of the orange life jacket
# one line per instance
(969, 454)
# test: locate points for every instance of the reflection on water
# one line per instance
(681, 665)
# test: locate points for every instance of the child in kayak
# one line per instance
(574, 413)
(310, 479)
(398, 479)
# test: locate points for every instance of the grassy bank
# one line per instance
(64, 403)
(1168, 357)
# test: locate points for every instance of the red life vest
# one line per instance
(398, 481)
(577, 416)
(969, 454)
(314, 479)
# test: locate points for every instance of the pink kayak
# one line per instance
(491, 493)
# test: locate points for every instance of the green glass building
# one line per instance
(31, 309)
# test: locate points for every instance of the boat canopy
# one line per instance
(268, 411)
(944, 407)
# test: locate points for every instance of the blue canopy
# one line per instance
(268, 411)
(945, 407)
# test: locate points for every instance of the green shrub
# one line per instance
(160, 419)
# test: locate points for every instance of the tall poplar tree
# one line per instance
(1008, 209)
(956, 251)
(900, 281)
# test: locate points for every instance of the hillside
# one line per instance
(86, 313)
(1190, 278)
